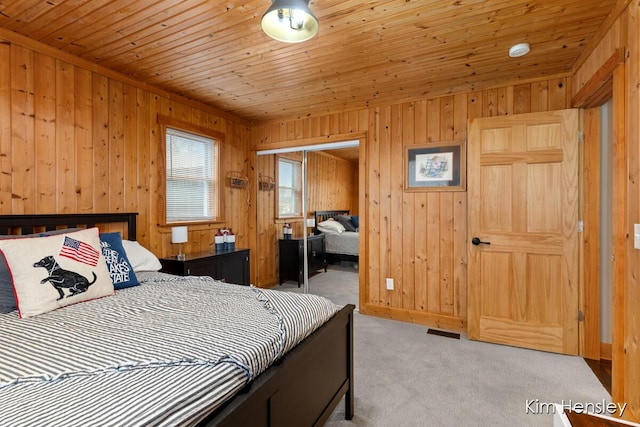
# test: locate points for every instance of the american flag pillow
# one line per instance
(51, 272)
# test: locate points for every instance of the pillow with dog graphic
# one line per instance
(51, 272)
(120, 269)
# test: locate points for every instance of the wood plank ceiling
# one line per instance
(367, 52)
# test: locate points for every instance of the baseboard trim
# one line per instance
(441, 321)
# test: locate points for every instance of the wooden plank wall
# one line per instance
(74, 139)
(330, 183)
(330, 186)
(419, 239)
(625, 33)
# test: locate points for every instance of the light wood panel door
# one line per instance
(523, 202)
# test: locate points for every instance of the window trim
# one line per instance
(299, 213)
(218, 137)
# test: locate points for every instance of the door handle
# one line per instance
(476, 241)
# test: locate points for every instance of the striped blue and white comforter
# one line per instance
(162, 353)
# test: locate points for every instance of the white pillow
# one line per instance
(330, 226)
(141, 258)
(52, 272)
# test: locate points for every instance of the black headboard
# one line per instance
(320, 216)
(33, 223)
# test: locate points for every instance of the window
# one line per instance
(192, 185)
(289, 187)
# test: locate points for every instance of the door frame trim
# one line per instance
(610, 80)
(620, 214)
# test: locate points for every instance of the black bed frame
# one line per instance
(302, 389)
(29, 224)
(320, 216)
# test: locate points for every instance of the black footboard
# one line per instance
(305, 388)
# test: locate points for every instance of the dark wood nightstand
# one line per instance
(292, 257)
(228, 266)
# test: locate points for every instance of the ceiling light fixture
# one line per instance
(290, 21)
(518, 50)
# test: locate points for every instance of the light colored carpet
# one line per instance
(405, 377)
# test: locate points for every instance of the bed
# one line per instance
(342, 246)
(173, 351)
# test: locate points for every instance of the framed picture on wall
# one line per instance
(436, 166)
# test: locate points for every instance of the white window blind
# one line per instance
(191, 177)
(289, 188)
